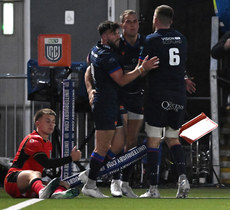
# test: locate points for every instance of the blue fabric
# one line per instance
(223, 7)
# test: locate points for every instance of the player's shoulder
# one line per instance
(103, 51)
(99, 53)
(34, 138)
(178, 33)
(152, 36)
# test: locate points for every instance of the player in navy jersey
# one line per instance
(23, 179)
(107, 76)
(165, 98)
(130, 99)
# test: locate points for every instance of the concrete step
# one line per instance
(224, 173)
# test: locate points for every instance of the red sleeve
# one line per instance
(33, 146)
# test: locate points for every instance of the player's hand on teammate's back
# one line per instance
(75, 154)
(150, 64)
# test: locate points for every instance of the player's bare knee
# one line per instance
(35, 174)
(153, 142)
(29, 175)
(172, 141)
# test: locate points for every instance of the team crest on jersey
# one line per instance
(53, 49)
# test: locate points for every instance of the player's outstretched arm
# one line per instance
(123, 79)
(57, 162)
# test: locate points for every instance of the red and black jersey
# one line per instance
(32, 145)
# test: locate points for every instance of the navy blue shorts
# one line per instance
(106, 117)
(133, 102)
(165, 109)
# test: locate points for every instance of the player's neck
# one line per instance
(43, 135)
(131, 39)
(162, 27)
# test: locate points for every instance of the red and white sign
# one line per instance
(197, 128)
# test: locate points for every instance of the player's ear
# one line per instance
(103, 36)
(37, 123)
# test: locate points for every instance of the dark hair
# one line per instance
(42, 112)
(164, 13)
(107, 25)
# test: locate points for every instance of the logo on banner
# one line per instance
(53, 49)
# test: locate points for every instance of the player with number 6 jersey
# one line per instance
(165, 97)
(167, 80)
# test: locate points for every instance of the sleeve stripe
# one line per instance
(113, 70)
(141, 58)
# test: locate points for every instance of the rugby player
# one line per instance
(24, 178)
(165, 98)
(130, 99)
(107, 76)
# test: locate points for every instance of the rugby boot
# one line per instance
(94, 192)
(67, 194)
(127, 190)
(115, 188)
(49, 189)
(152, 192)
(183, 187)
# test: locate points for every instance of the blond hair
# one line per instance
(126, 13)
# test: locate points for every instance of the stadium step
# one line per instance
(225, 164)
(225, 152)
(225, 161)
(225, 174)
(225, 181)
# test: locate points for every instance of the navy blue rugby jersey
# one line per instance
(170, 46)
(128, 58)
(103, 63)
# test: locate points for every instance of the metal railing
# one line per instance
(14, 113)
(16, 117)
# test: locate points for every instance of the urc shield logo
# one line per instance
(53, 49)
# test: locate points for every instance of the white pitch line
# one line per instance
(194, 198)
(24, 204)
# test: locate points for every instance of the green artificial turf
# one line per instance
(199, 198)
